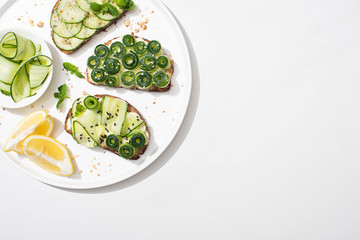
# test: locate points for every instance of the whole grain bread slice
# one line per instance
(131, 108)
(88, 39)
(153, 88)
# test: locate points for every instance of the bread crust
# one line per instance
(86, 40)
(131, 108)
(153, 88)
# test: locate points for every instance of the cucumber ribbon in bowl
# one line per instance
(23, 69)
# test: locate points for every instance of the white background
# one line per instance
(268, 149)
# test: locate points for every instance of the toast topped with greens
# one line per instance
(74, 22)
(131, 62)
(110, 123)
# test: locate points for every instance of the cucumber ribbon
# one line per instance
(22, 67)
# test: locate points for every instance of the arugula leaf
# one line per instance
(61, 95)
(95, 7)
(73, 69)
(112, 10)
(125, 4)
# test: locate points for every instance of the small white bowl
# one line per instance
(6, 101)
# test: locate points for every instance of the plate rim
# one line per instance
(158, 153)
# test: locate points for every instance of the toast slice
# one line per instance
(130, 110)
(169, 71)
(73, 23)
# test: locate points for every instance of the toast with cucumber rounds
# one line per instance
(74, 22)
(131, 62)
(110, 123)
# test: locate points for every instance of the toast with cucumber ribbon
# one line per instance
(110, 123)
(131, 62)
(74, 22)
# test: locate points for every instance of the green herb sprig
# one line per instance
(125, 4)
(104, 8)
(73, 69)
(61, 95)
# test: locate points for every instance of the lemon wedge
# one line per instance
(39, 123)
(49, 154)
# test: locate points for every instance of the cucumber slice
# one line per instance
(84, 5)
(113, 112)
(69, 12)
(107, 16)
(20, 86)
(141, 129)
(16, 47)
(76, 102)
(33, 91)
(82, 136)
(67, 44)
(89, 119)
(5, 87)
(85, 33)
(37, 48)
(7, 70)
(62, 29)
(132, 121)
(93, 22)
(38, 70)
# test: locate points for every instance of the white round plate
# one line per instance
(163, 112)
(6, 101)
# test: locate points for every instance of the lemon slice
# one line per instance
(48, 154)
(39, 123)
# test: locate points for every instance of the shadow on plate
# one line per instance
(176, 142)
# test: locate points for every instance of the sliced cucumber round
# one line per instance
(84, 5)
(62, 29)
(93, 22)
(67, 44)
(85, 33)
(69, 12)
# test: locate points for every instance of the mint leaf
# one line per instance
(61, 95)
(70, 67)
(79, 75)
(57, 95)
(73, 69)
(125, 4)
(59, 102)
(112, 10)
(95, 7)
(62, 89)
